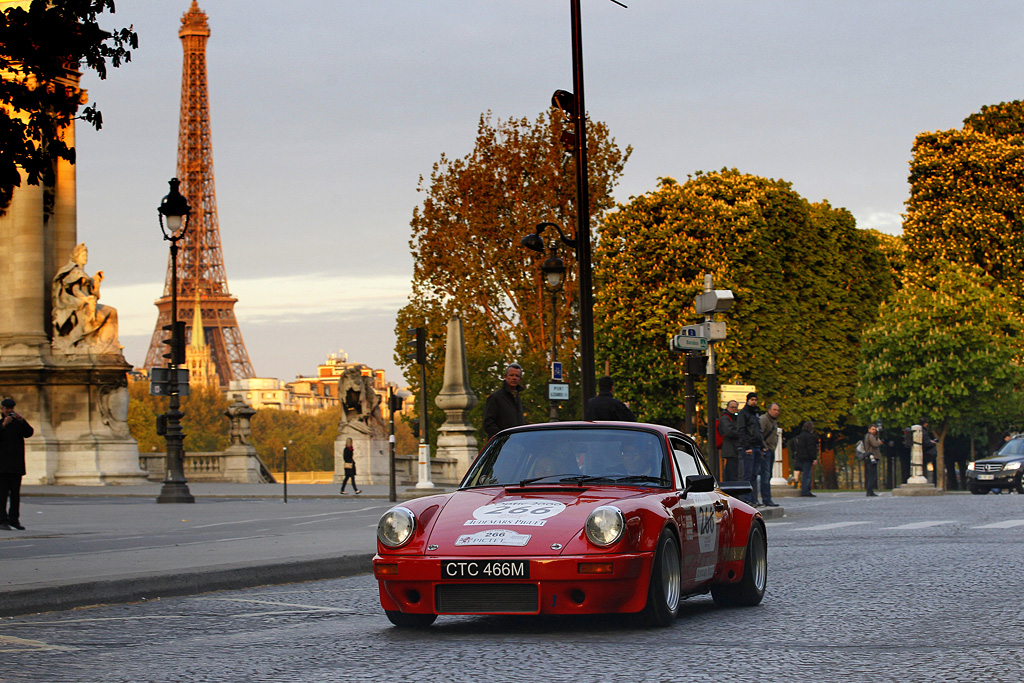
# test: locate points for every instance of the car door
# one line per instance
(702, 518)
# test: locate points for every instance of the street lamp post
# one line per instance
(174, 210)
(554, 271)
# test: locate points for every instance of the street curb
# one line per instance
(64, 596)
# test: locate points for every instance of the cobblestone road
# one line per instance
(884, 589)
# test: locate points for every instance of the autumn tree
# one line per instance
(468, 259)
(309, 438)
(945, 348)
(805, 282)
(39, 46)
(966, 204)
(205, 425)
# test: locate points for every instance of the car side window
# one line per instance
(685, 459)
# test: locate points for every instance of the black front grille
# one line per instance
(988, 466)
(486, 598)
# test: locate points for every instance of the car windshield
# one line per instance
(572, 456)
(1012, 447)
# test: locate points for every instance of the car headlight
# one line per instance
(970, 466)
(1015, 465)
(605, 525)
(396, 527)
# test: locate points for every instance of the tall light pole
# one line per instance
(175, 210)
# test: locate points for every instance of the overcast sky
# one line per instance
(325, 114)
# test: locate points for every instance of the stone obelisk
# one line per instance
(456, 437)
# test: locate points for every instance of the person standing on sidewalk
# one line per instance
(504, 408)
(748, 424)
(764, 464)
(14, 429)
(348, 456)
(873, 446)
(605, 407)
(730, 446)
(807, 455)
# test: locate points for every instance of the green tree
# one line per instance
(38, 48)
(468, 259)
(805, 281)
(205, 425)
(946, 348)
(142, 412)
(965, 202)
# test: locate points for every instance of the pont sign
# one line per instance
(558, 391)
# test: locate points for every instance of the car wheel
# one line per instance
(405, 620)
(750, 589)
(665, 591)
(978, 490)
(1020, 484)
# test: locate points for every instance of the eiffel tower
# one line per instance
(200, 262)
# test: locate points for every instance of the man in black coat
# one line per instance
(504, 408)
(605, 407)
(748, 424)
(13, 432)
(807, 448)
(730, 447)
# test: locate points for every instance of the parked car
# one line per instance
(574, 518)
(1002, 471)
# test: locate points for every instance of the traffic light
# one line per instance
(175, 342)
(395, 404)
(415, 427)
(419, 342)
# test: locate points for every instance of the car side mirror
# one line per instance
(699, 483)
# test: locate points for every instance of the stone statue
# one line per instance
(240, 416)
(114, 410)
(360, 404)
(80, 322)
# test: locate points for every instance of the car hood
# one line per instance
(513, 522)
(1002, 458)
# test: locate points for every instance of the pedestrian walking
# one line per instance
(14, 429)
(763, 465)
(873, 448)
(748, 424)
(807, 447)
(605, 407)
(348, 456)
(504, 407)
(730, 447)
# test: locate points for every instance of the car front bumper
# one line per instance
(580, 584)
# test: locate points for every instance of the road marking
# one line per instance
(919, 525)
(826, 527)
(12, 644)
(767, 523)
(333, 513)
(1005, 524)
(303, 608)
(92, 619)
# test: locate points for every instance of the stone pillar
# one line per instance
(370, 450)
(917, 484)
(241, 463)
(456, 438)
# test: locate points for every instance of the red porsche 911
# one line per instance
(573, 518)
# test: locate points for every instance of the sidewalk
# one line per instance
(93, 544)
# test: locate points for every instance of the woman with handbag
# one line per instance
(348, 455)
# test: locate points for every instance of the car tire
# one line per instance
(1020, 484)
(665, 591)
(406, 620)
(749, 591)
(977, 490)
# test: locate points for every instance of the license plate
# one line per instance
(986, 477)
(483, 570)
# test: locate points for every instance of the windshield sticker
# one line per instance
(707, 529)
(516, 513)
(506, 537)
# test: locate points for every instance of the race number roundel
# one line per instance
(518, 512)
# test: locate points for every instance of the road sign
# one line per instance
(682, 342)
(556, 371)
(558, 391)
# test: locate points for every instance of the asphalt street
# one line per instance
(859, 589)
